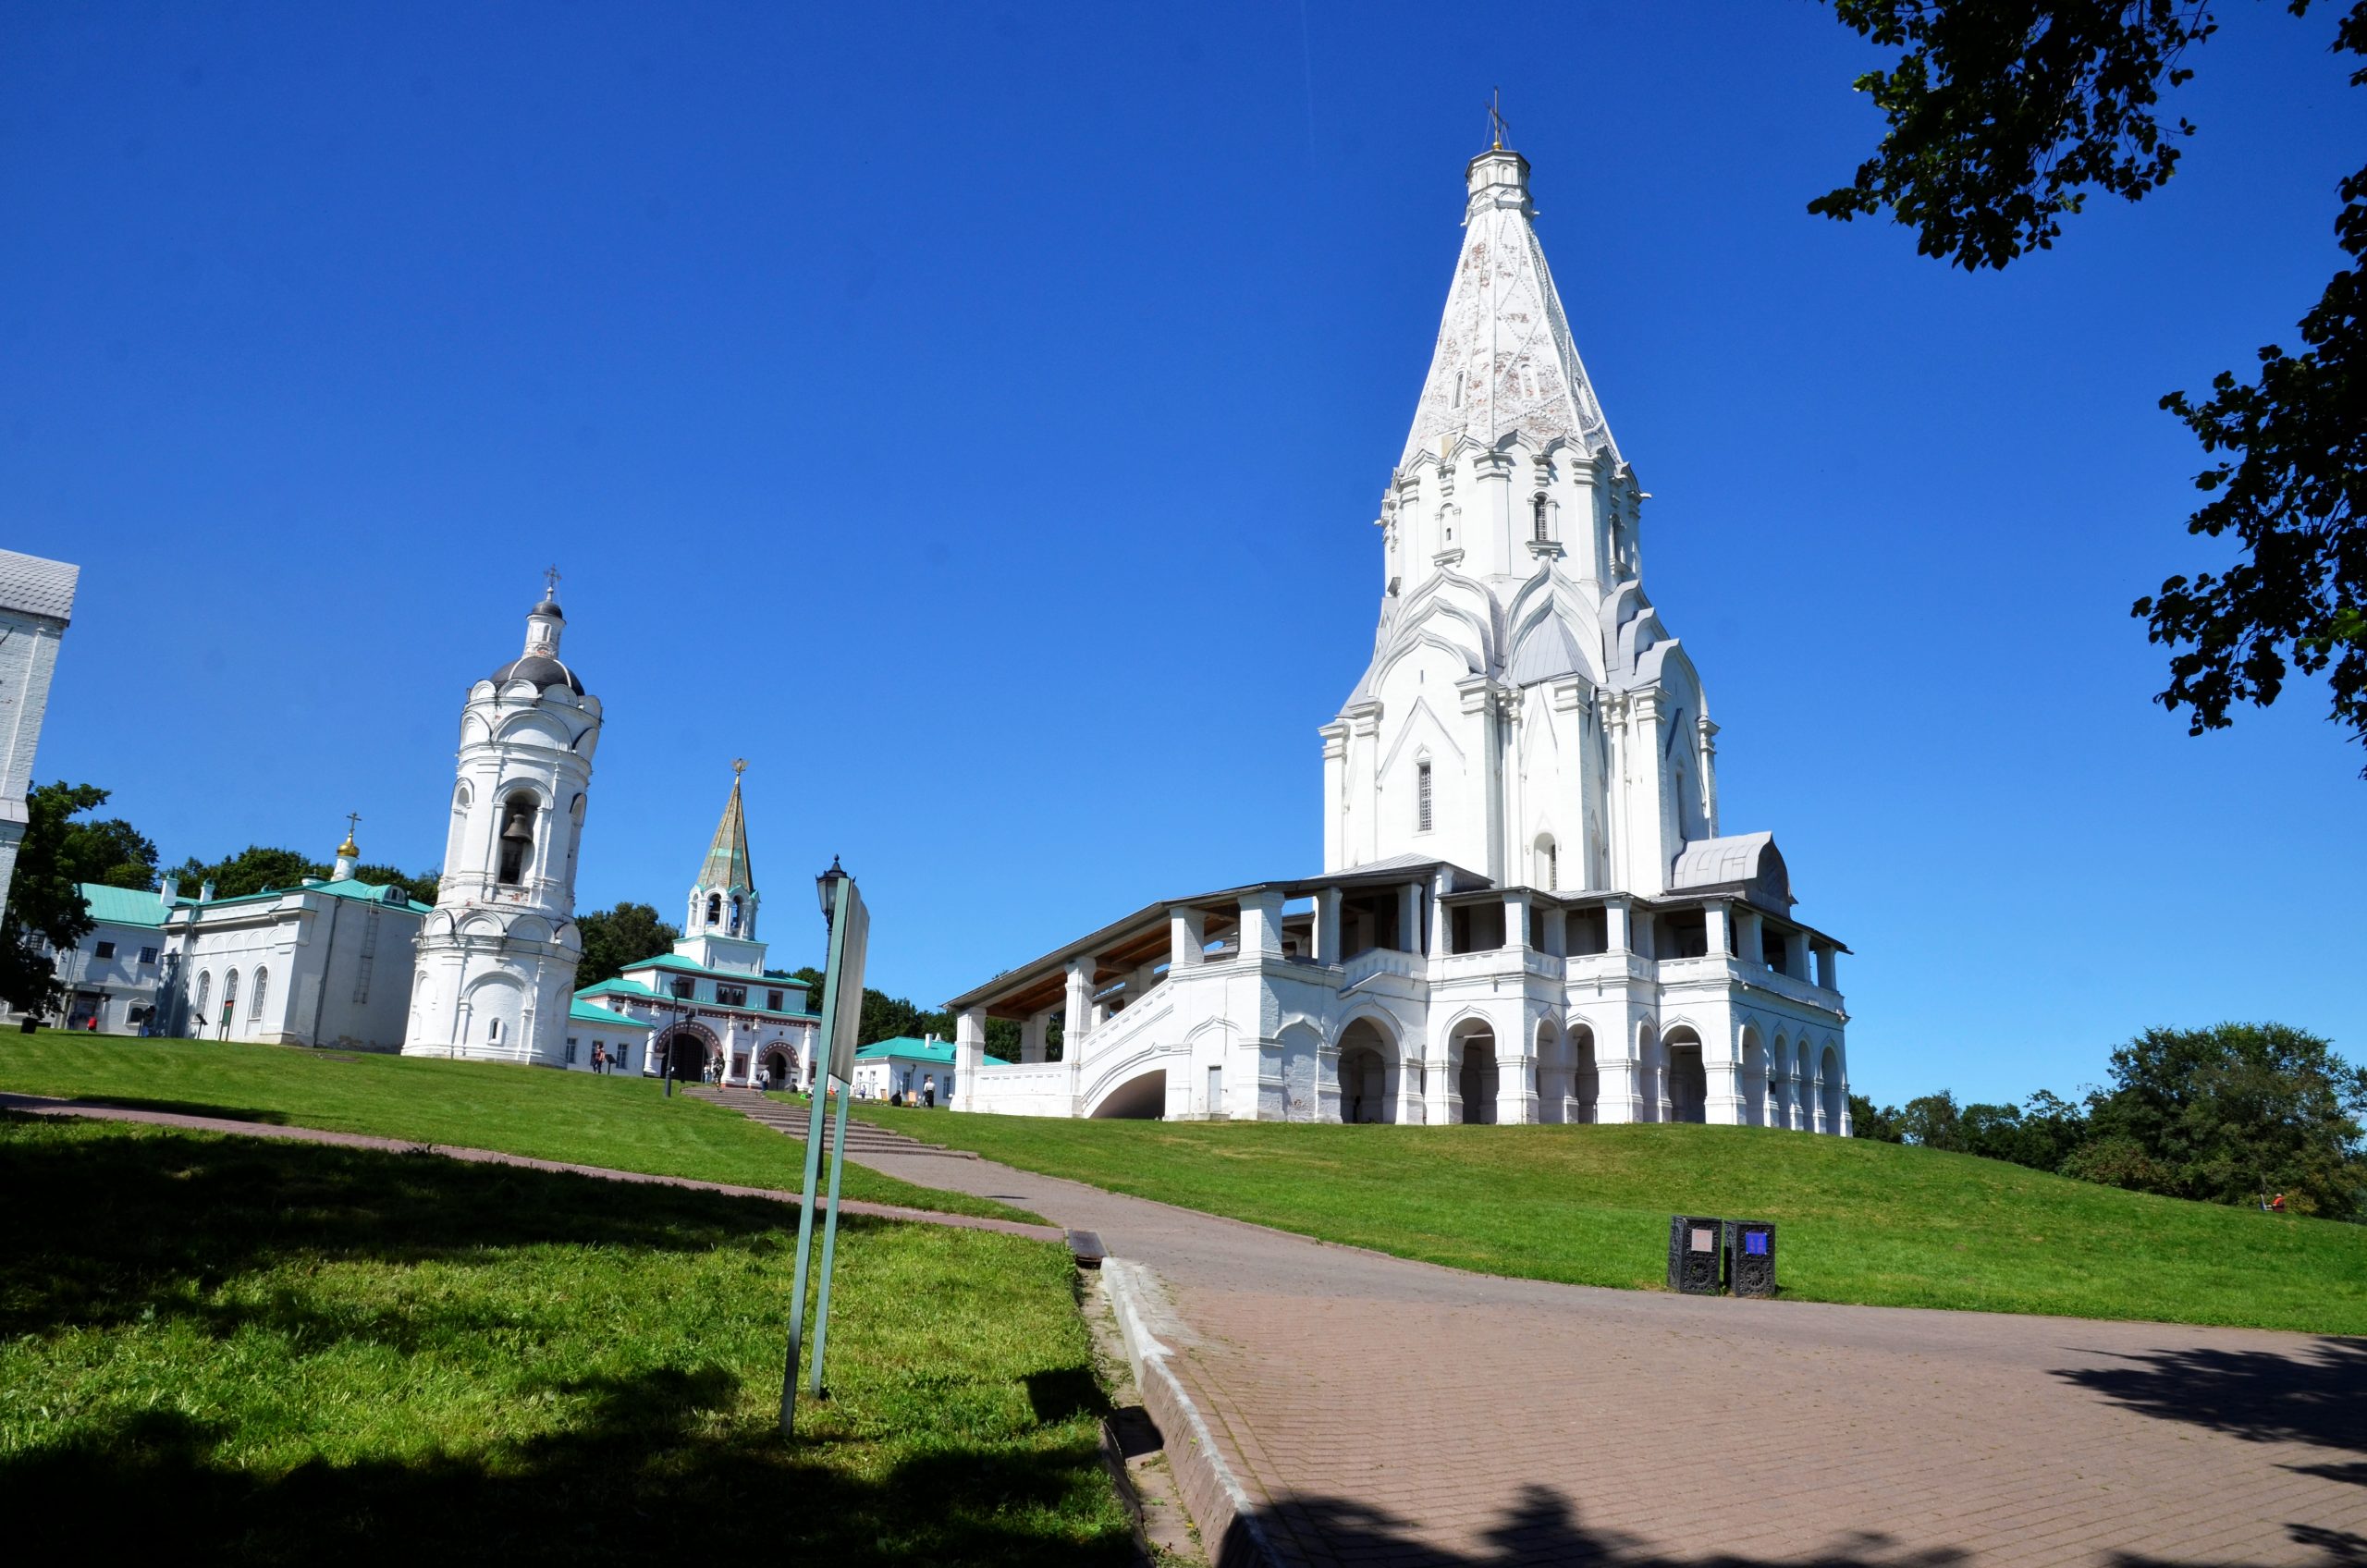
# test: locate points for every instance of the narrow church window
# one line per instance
(263, 985)
(735, 916)
(230, 996)
(713, 908)
(517, 836)
(1421, 797)
(1552, 867)
(493, 1032)
(205, 987)
(1537, 506)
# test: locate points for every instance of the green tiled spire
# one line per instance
(727, 859)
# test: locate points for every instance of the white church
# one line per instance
(1528, 911)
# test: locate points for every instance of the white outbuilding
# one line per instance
(1529, 909)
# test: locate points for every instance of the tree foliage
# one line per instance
(44, 913)
(108, 850)
(261, 868)
(2229, 1114)
(2001, 116)
(614, 938)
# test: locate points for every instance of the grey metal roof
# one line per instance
(1547, 653)
(35, 586)
(542, 670)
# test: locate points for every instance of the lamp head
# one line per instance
(826, 888)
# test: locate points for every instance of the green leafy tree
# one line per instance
(614, 938)
(1933, 1121)
(255, 869)
(2040, 1134)
(110, 851)
(1878, 1123)
(2001, 116)
(2228, 1114)
(46, 913)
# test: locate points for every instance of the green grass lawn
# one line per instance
(241, 1350)
(1857, 1222)
(625, 1123)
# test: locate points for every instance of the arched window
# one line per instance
(1422, 796)
(735, 914)
(715, 908)
(493, 1030)
(517, 836)
(1549, 863)
(204, 990)
(230, 996)
(1538, 509)
(263, 985)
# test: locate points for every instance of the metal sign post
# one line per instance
(841, 1016)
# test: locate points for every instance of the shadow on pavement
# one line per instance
(1544, 1528)
(2317, 1396)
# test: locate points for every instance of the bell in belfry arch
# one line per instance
(518, 832)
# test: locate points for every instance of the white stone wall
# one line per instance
(27, 658)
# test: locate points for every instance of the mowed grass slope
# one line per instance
(264, 1351)
(1857, 1221)
(584, 1118)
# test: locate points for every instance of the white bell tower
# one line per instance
(498, 958)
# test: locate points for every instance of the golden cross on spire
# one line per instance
(739, 767)
(352, 821)
(550, 582)
(1496, 123)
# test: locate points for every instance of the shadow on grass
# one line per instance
(2317, 1396)
(1544, 1528)
(178, 1108)
(104, 1227)
(642, 1476)
(111, 1228)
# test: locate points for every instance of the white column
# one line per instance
(1031, 1036)
(1187, 938)
(1795, 954)
(1515, 921)
(1409, 918)
(1713, 917)
(1327, 926)
(1516, 1074)
(1746, 935)
(1721, 1066)
(1077, 1020)
(1557, 932)
(1335, 796)
(1709, 751)
(1828, 968)
(1614, 925)
(1261, 925)
(1438, 921)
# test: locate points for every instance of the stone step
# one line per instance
(791, 1121)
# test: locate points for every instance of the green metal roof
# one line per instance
(584, 1012)
(906, 1049)
(727, 859)
(123, 906)
(616, 987)
(678, 964)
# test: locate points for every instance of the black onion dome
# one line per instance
(549, 607)
(542, 670)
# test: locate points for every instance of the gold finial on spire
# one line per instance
(1496, 123)
(352, 821)
(739, 767)
(550, 582)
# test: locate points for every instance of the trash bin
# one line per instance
(1695, 1251)
(1750, 1256)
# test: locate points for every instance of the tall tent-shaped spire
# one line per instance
(1505, 359)
(726, 869)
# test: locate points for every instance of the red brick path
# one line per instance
(1377, 1411)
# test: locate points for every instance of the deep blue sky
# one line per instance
(974, 418)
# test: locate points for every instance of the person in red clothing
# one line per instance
(2276, 1204)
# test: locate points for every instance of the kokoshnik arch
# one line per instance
(1528, 912)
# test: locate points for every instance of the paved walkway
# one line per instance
(39, 1105)
(1378, 1411)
